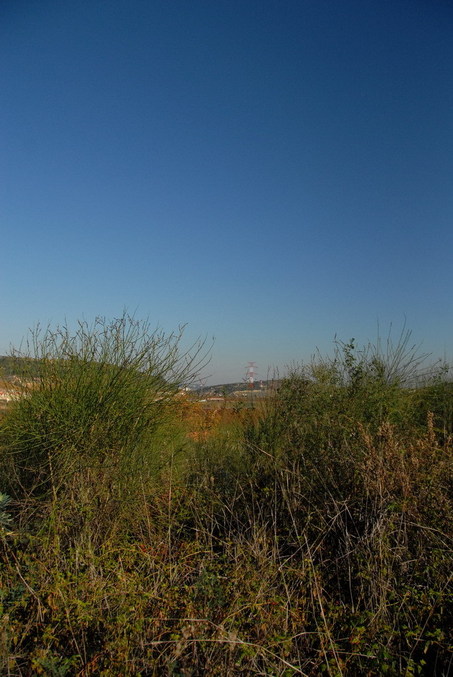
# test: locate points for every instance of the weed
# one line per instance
(311, 536)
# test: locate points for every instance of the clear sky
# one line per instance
(271, 173)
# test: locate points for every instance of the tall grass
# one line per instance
(310, 537)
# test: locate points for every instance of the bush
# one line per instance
(312, 537)
(91, 401)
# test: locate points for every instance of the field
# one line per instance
(144, 532)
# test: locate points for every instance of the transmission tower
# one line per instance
(250, 373)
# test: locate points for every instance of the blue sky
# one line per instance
(271, 173)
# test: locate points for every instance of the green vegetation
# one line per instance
(311, 536)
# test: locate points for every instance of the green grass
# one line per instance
(310, 537)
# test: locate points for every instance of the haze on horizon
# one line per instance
(271, 174)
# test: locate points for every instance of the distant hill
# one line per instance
(9, 366)
(228, 388)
